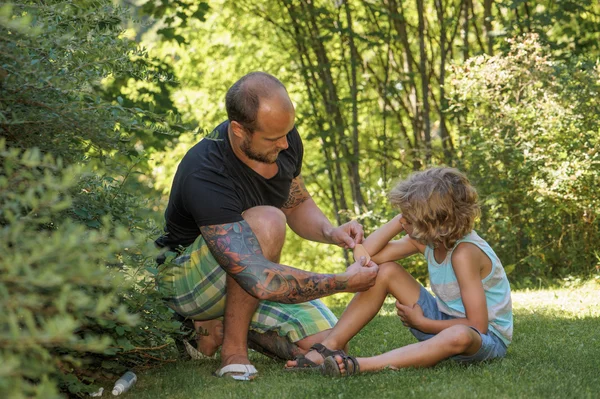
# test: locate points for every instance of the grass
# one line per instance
(555, 354)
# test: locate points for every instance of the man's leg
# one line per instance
(392, 279)
(268, 224)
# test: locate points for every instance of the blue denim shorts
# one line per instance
(491, 346)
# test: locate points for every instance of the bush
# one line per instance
(530, 141)
(78, 305)
(77, 288)
(55, 286)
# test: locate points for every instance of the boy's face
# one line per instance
(406, 225)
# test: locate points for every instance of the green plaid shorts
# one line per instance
(194, 287)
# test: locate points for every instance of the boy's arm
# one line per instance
(382, 250)
(466, 261)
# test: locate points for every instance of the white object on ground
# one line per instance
(124, 383)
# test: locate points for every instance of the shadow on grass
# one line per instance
(550, 357)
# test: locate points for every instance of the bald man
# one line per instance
(232, 196)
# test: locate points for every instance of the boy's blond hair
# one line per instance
(440, 203)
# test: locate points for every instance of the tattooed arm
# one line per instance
(308, 221)
(237, 250)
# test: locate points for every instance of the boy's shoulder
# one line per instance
(466, 250)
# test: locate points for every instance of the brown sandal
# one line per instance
(305, 364)
(331, 366)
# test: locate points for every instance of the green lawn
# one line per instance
(555, 354)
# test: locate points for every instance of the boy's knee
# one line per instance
(459, 338)
(389, 271)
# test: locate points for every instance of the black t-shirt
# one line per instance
(212, 186)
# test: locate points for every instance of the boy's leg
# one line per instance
(455, 340)
(392, 279)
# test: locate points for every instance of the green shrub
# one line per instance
(77, 304)
(55, 286)
(77, 288)
(530, 141)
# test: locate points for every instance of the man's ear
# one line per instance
(238, 129)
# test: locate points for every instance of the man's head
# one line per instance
(261, 114)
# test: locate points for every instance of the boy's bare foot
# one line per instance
(311, 355)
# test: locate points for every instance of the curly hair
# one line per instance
(440, 203)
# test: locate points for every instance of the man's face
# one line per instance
(270, 137)
(275, 119)
(263, 148)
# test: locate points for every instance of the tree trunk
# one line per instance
(424, 82)
(487, 23)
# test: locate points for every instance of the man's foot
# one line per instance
(240, 372)
(209, 336)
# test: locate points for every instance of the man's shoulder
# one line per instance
(210, 149)
(218, 134)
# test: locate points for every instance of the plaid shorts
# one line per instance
(194, 287)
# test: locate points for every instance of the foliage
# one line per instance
(77, 118)
(56, 59)
(531, 142)
(56, 291)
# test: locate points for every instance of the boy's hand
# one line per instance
(411, 316)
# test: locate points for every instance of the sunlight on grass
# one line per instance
(554, 354)
(574, 302)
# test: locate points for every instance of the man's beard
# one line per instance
(255, 156)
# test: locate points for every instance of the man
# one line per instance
(232, 195)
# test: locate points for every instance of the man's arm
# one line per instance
(238, 251)
(309, 222)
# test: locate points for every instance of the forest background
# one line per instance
(99, 100)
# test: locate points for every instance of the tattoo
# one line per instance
(298, 193)
(238, 251)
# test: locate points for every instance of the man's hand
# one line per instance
(347, 235)
(411, 316)
(361, 278)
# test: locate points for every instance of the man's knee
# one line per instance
(268, 224)
(263, 217)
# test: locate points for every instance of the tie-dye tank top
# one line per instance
(497, 289)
